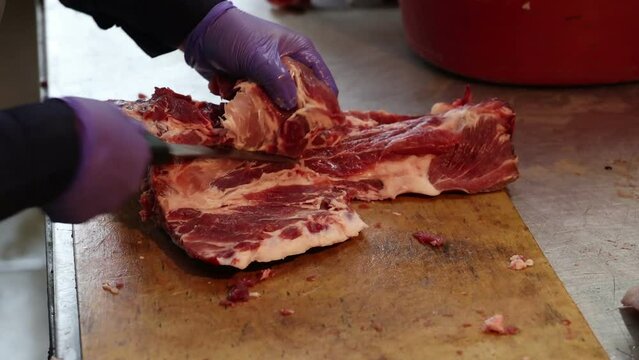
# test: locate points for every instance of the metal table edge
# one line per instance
(62, 292)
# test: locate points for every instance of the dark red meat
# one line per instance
(426, 238)
(292, 4)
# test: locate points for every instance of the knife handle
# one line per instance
(160, 151)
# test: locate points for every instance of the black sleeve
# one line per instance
(157, 26)
(39, 154)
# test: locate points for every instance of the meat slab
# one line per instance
(231, 212)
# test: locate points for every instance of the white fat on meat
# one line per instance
(345, 224)
(201, 194)
(359, 122)
(409, 175)
(249, 129)
(459, 118)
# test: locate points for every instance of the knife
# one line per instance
(164, 152)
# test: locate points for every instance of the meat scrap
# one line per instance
(291, 4)
(518, 262)
(231, 212)
(426, 238)
(300, 5)
(495, 325)
(376, 326)
(239, 291)
(266, 273)
(112, 289)
(286, 312)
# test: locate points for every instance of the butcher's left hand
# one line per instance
(229, 43)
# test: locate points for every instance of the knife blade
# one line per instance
(164, 152)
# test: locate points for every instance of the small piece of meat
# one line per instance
(286, 312)
(426, 238)
(112, 289)
(311, 278)
(266, 273)
(518, 262)
(239, 290)
(238, 293)
(631, 298)
(291, 4)
(495, 325)
(376, 326)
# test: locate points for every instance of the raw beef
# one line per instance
(426, 238)
(233, 213)
(291, 4)
(305, 4)
(495, 325)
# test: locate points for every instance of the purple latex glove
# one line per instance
(232, 43)
(113, 160)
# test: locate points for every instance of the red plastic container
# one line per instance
(536, 42)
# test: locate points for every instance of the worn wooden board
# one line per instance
(381, 295)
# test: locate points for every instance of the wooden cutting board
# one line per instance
(381, 295)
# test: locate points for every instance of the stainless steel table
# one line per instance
(578, 147)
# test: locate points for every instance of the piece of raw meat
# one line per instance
(233, 213)
(291, 4)
(495, 325)
(177, 118)
(305, 4)
(426, 238)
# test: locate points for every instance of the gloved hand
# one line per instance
(231, 43)
(113, 159)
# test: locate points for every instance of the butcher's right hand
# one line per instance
(114, 156)
(229, 43)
